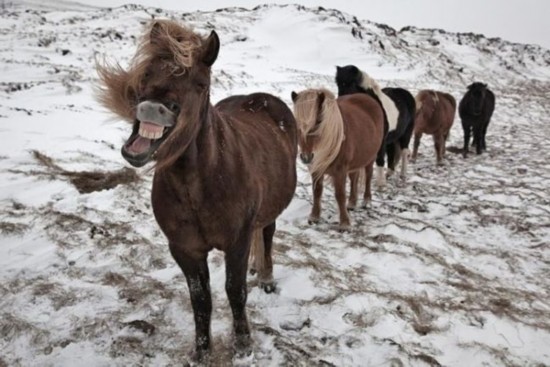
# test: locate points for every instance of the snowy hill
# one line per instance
(450, 268)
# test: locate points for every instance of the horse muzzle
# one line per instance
(153, 124)
(306, 157)
(155, 113)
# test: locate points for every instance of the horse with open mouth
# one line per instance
(223, 173)
(399, 112)
(338, 137)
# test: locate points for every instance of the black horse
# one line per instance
(399, 112)
(475, 110)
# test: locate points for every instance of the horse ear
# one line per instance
(156, 31)
(484, 85)
(211, 49)
(294, 96)
(338, 68)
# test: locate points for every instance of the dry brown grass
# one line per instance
(13, 229)
(84, 181)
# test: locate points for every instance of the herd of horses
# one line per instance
(224, 173)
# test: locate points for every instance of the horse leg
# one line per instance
(438, 143)
(380, 177)
(391, 152)
(367, 197)
(317, 193)
(466, 129)
(483, 133)
(236, 259)
(404, 145)
(417, 137)
(265, 275)
(477, 137)
(339, 180)
(354, 180)
(198, 278)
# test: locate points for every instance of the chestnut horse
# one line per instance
(435, 113)
(223, 173)
(337, 137)
(399, 110)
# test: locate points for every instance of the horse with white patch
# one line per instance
(399, 112)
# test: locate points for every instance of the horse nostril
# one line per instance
(306, 158)
(161, 110)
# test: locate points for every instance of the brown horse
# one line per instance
(337, 137)
(435, 113)
(223, 174)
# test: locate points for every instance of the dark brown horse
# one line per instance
(337, 137)
(223, 174)
(475, 110)
(435, 113)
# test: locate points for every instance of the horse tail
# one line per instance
(257, 251)
(331, 135)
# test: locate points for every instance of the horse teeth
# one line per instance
(150, 134)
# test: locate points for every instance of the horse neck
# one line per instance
(183, 150)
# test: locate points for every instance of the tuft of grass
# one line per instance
(88, 181)
(12, 229)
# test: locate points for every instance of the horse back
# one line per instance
(259, 137)
(363, 120)
(261, 108)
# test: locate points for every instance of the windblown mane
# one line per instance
(389, 106)
(163, 39)
(330, 130)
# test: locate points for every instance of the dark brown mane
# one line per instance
(177, 45)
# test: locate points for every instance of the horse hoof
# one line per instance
(344, 228)
(312, 221)
(200, 356)
(242, 346)
(351, 208)
(268, 287)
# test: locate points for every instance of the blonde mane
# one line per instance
(167, 40)
(330, 130)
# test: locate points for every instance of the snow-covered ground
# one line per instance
(450, 268)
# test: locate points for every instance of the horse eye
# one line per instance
(174, 107)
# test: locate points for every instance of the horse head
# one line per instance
(308, 109)
(320, 125)
(477, 92)
(164, 93)
(348, 79)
